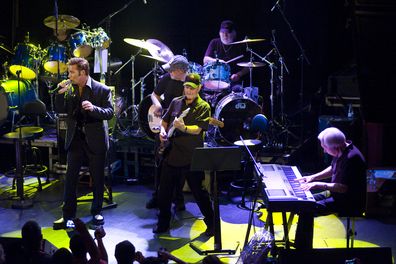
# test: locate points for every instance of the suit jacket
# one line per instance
(94, 124)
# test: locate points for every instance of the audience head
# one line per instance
(31, 235)
(124, 252)
(62, 256)
(77, 246)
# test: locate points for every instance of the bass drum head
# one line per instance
(237, 112)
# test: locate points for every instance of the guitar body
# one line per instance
(154, 122)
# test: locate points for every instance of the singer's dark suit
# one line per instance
(86, 137)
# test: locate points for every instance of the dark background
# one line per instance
(355, 38)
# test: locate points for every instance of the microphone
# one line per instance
(58, 87)
(276, 4)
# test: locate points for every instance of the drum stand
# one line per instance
(133, 107)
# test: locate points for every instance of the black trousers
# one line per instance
(77, 153)
(170, 176)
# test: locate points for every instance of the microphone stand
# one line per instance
(255, 198)
(107, 20)
(302, 58)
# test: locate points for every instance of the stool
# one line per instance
(36, 168)
(350, 227)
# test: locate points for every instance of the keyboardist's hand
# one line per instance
(313, 186)
(305, 179)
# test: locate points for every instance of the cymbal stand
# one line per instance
(107, 20)
(134, 115)
(302, 58)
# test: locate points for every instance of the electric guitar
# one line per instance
(165, 144)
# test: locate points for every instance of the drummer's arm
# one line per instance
(208, 59)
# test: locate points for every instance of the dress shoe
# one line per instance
(61, 223)
(97, 220)
(160, 229)
(152, 203)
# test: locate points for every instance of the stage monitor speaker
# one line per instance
(381, 255)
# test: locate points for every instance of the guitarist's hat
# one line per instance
(193, 80)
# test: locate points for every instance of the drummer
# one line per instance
(221, 50)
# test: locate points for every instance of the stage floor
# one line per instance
(132, 221)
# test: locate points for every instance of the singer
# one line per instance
(88, 106)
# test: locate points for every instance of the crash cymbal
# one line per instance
(154, 58)
(162, 52)
(246, 40)
(251, 64)
(64, 22)
(140, 44)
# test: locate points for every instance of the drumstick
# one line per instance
(236, 58)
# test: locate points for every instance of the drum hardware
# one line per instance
(3, 47)
(302, 58)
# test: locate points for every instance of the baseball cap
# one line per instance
(193, 80)
(227, 26)
(177, 62)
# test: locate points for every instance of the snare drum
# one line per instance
(216, 76)
(80, 44)
(9, 99)
(55, 54)
(25, 59)
(237, 112)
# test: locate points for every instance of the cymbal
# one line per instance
(64, 22)
(140, 44)
(162, 52)
(246, 40)
(154, 58)
(251, 64)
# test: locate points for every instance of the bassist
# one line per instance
(188, 135)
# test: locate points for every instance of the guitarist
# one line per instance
(188, 135)
(169, 86)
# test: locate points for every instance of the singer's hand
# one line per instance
(64, 86)
(87, 105)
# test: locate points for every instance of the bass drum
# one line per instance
(147, 121)
(236, 110)
(9, 97)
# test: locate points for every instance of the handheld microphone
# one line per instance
(58, 87)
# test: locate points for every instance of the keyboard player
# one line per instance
(346, 191)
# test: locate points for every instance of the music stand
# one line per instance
(216, 159)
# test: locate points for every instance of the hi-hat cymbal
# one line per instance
(64, 22)
(251, 64)
(154, 58)
(246, 40)
(162, 52)
(141, 44)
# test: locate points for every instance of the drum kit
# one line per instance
(30, 62)
(235, 109)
